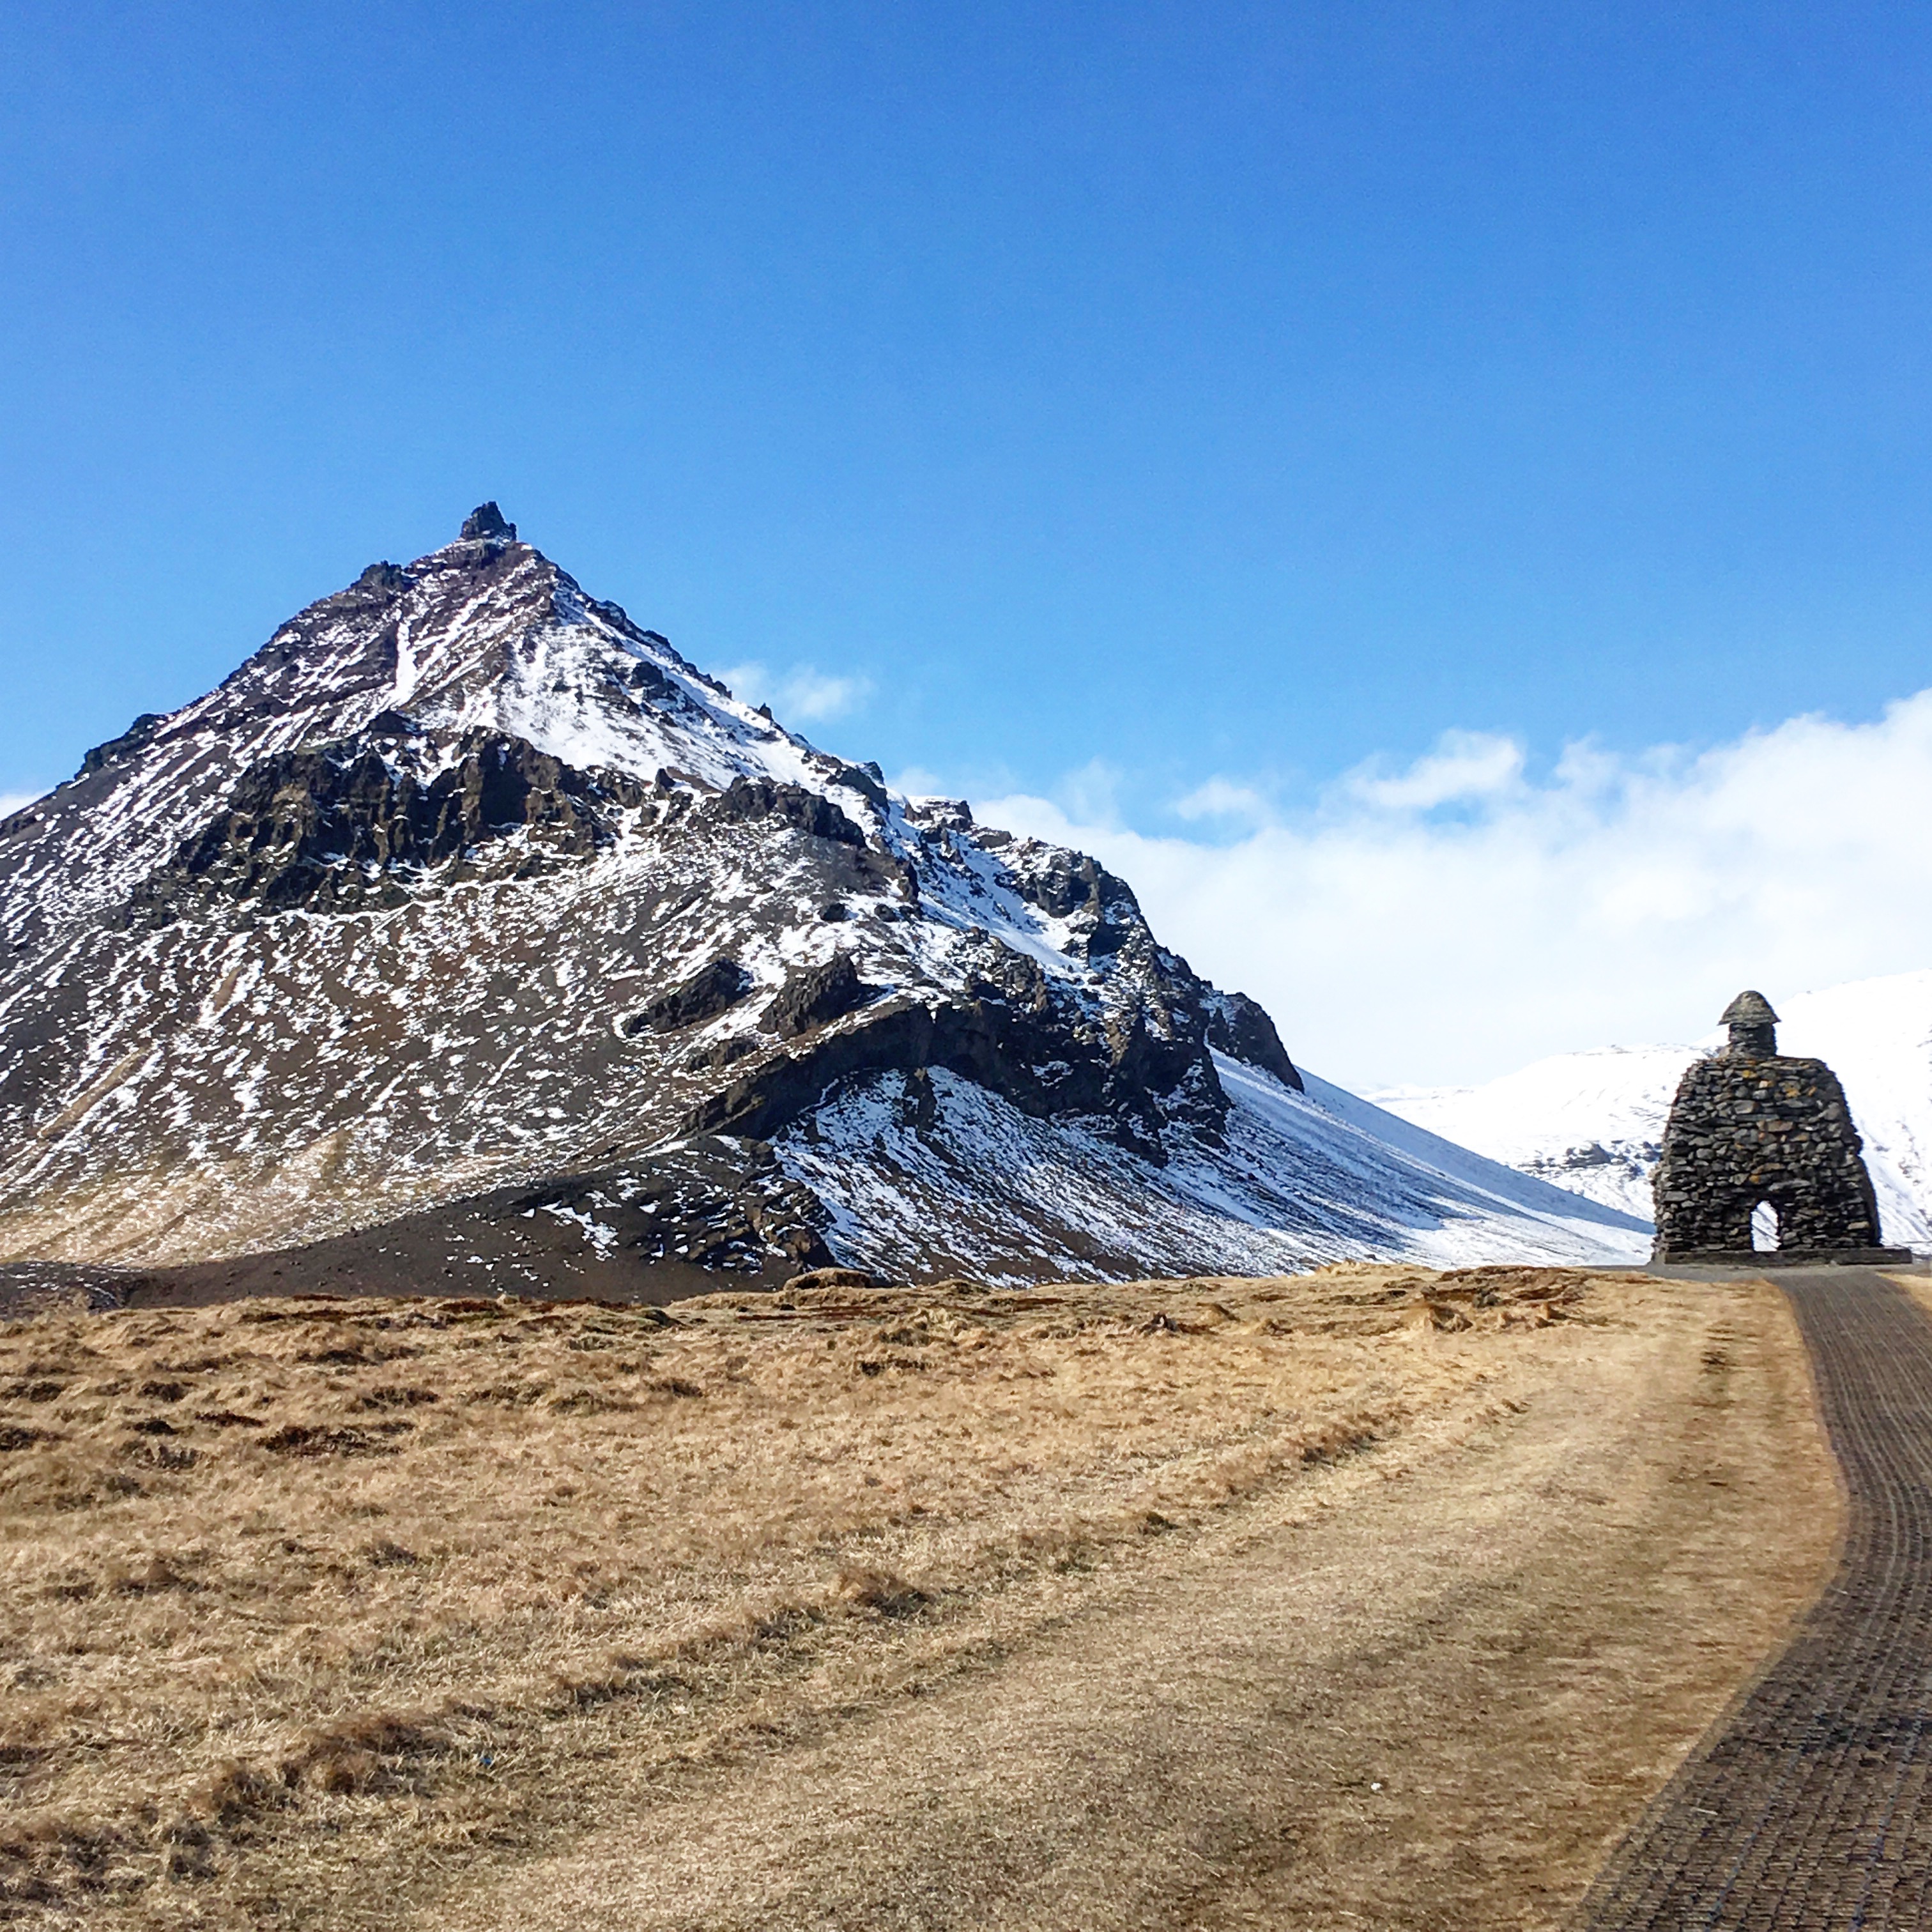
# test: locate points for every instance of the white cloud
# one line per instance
(916, 781)
(1624, 899)
(1223, 798)
(802, 695)
(1464, 765)
(1091, 795)
(10, 801)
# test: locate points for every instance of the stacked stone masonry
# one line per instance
(1752, 1125)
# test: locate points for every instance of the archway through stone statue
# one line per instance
(1761, 1159)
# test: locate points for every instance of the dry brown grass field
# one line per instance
(1366, 1598)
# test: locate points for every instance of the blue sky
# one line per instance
(1122, 400)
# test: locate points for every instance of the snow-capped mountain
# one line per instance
(1594, 1122)
(469, 925)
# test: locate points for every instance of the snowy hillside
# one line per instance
(1296, 1178)
(1593, 1122)
(468, 909)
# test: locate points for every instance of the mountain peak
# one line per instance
(464, 882)
(487, 521)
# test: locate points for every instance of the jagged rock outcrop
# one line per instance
(716, 986)
(136, 738)
(485, 521)
(817, 996)
(344, 826)
(746, 801)
(1240, 1028)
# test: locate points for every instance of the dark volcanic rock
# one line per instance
(136, 738)
(1070, 882)
(713, 1213)
(816, 1280)
(867, 781)
(747, 801)
(715, 1203)
(1100, 907)
(653, 682)
(1016, 1037)
(340, 827)
(486, 520)
(712, 989)
(816, 996)
(1240, 1027)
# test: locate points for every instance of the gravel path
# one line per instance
(1809, 1809)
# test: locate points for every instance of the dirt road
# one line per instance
(1431, 1686)
(1809, 1809)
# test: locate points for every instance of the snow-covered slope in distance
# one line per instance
(1593, 1122)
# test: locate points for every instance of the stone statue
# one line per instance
(1751, 1127)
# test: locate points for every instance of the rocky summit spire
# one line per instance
(1753, 1025)
(487, 521)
